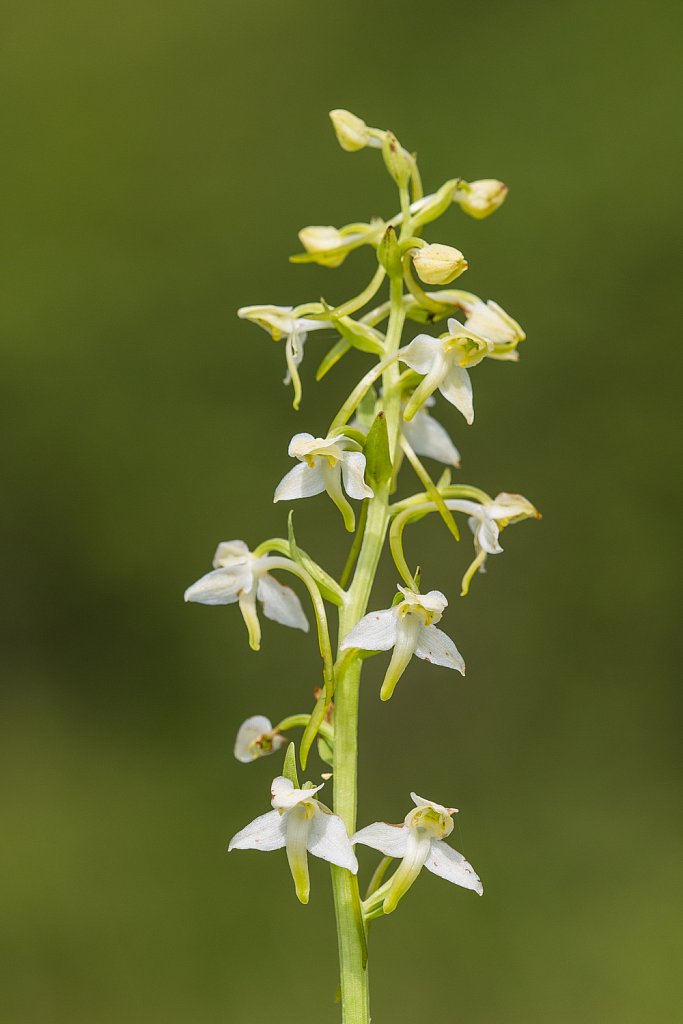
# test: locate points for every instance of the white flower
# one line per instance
(280, 323)
(443, 362)
(409, 628)
(486, 522)
(255, 738)
(427, 437)
(481, 198)
(490, 320)
(438, 264)
(240, 576)
(419, 841)
(325, 463)
(303, 825)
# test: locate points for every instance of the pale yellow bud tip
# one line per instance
(438, 264)
(351, 131)
(481, 198)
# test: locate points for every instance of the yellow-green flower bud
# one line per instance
(438, 264)
(481, 198)
(351, 131)
(399, 162)
(318, 240)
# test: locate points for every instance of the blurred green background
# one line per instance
(158, 161)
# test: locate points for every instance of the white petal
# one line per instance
(301, 482)
(280, 603)
(285, 796)
(230, 551)
(265, 833)
(486, 532)
(427, 437)
(434, 646)
(300, 443)
(221, 586)
(329, 840)
(249, 731)
(421, 353)
(420, 801)
(353, 472)
(444, 861)
(391, 840)
(375, 632)
(456, 387)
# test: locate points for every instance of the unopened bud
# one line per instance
(351, 131)
(318, 240)
(481, 198)
(438, 264)
(399, 162)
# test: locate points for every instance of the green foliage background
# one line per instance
(158, 161)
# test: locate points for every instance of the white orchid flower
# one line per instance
(303, 825)
(443, 362)
(409, 628)
(238, 575)
(490, 320)
(256, 738)
(280, 322)
(427, 437)
(325, 463)
(486, 521)
(419, 842)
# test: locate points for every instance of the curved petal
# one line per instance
(420, 354)
(391, 840)
(353, 472)
(456, 388)
(299, 443)
(407, 634)
(301, 482)
(329, 840)
(298, 826)
(230, 551)
(434, 646)
(280, 603)
(250, 730)
(486, 532)
(286, 796)
(427, 437)
(375, 632)
(267, 832)
(444, 861)
(221, 586)
(417, 851)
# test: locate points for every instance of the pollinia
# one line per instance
(386, 424)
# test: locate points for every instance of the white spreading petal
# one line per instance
(391, 840)
(422, 352)
(353, 472)
(427, 437)
(280, 603)
(376, 631)
(221, 586)
(303, 481)
(444, 861)
(231, 551)
(434, 646)
(456, 387)
(268, 832)
(329, 840)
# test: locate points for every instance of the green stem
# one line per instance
(350, 927)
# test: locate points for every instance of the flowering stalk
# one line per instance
(382, 425)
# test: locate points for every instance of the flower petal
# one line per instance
(298, 826)
(353, 472)
(427, 437)
(252, 729)
(280, 603)
(391, 840)
(456, 387)
(434, 646)
(301, 482)
(329, 840)
(486, 532)
(417, 850)
(264, 833)
(221, 586)
(231, 551)
(375, 632)
(285, 796)
(421, 353)
(444, 861)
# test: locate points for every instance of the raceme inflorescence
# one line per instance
(388, 422)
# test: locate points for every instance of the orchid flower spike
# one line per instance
(238, 575)
(419, 841)
(257, 738)
(489, 320)
(325, 463)
(443, 361)
(280, 322)
(427, 437)
(303, 825)
(409, 628)
(486, 521)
